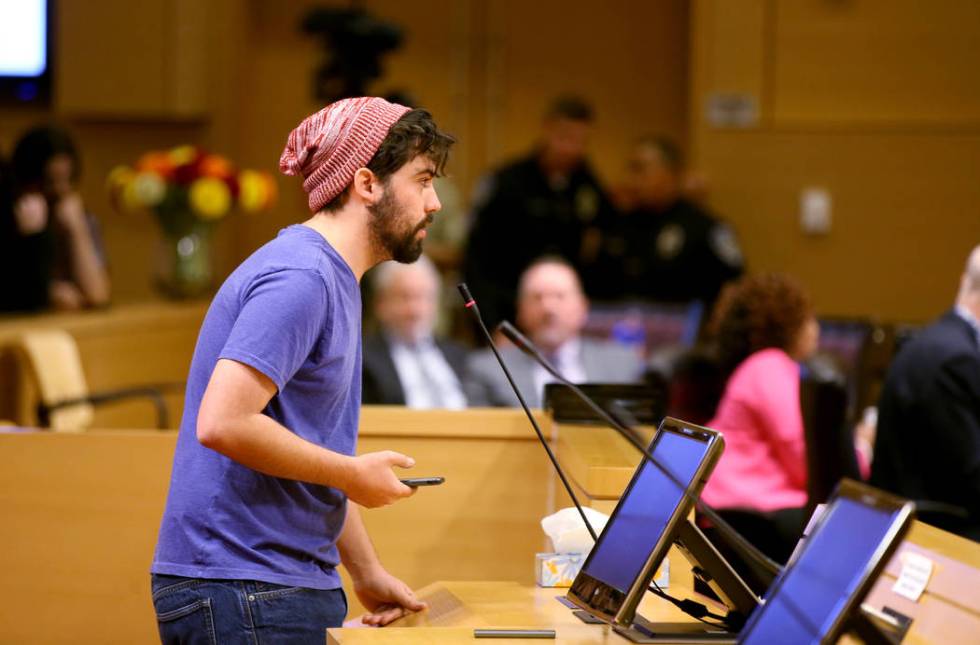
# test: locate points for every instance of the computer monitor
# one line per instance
(645, 522)
(25, 51)
(823, 586)
(645, 403)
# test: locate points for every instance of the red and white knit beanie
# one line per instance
(328, 147)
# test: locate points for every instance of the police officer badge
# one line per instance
(586, 203)
(670, 242)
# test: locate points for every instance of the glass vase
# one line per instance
(184, 263)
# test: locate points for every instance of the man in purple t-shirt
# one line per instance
(257, 518)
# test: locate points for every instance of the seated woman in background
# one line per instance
(51, 247)
(764, 326)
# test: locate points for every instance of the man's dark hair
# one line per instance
(671, 154)
(34, 149)
(569, 106)
(412, 135)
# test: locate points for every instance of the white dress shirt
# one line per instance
(568, 361)
(426, 377)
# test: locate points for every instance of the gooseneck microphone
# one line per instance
(746, 548)
(470, 303)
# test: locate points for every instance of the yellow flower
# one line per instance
(210, 197)
(252, 191)
(182, 155)
(118, 178)
(130, 198)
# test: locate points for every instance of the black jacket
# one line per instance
(928, 443)
(380, 383)
(519, 217)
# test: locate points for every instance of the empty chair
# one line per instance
(65, 403)
(830, 454)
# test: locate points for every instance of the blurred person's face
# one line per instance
(651, 182)
(59, 174)
(407, 307)
(564, 143)
(807, 340)
(405, 210)
(551, 307)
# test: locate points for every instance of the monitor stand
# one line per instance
(644, 631)
(710, 567)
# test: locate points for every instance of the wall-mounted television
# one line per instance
(25, 51)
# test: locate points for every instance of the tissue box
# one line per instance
(557, 569)
(560, 569)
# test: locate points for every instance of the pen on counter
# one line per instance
(513, 633)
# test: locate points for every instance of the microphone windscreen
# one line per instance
(515, 336)
(465, 292)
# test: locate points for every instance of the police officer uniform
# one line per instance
(681, 254)
(521, 214)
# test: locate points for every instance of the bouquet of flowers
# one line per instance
(187, 181)
(188, 190)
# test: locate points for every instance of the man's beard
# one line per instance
(392, 235)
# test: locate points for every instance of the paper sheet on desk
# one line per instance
(912, 581)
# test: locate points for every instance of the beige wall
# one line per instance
(876, 102)
(235, 76)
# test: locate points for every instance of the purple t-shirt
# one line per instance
(292, 311)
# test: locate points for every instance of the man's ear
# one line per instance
(366, 186)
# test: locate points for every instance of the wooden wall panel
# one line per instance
(906, 203)
(895, 63)
(629, 58)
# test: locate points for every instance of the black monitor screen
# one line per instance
(804, 605)
(642, 516)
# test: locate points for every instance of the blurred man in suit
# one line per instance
(403, 363)
(928, 445)
(551, 310)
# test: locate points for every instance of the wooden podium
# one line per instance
(81, 514)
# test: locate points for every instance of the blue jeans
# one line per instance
(192, 611)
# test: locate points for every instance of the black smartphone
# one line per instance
(414, 482)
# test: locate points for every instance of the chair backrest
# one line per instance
(829, 438)
(695, 385)
(56, 365)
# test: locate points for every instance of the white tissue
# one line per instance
(567, 531)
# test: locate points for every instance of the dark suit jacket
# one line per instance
(380, 384)
(486, 385)
(928, 443)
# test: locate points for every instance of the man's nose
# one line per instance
(433, 205)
